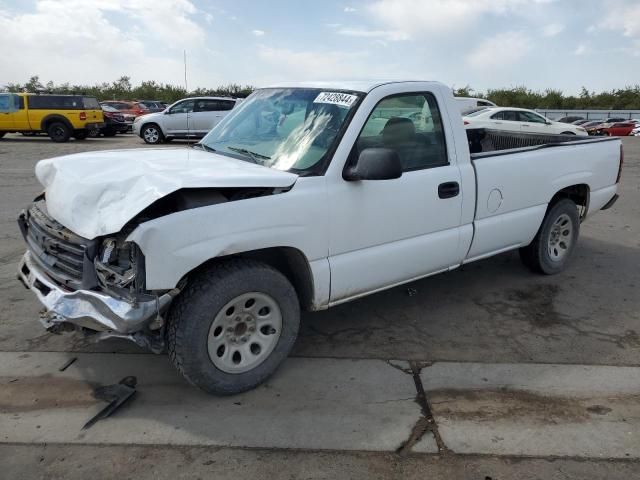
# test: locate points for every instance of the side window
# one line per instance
(226, 105)
(6, 102)
(183, 107)
(510, 116)
(206, 106)
(411, 125)
(531, 117)
(498, 116)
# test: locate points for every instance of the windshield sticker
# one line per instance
(336, 98)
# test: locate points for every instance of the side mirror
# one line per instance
(375, 164)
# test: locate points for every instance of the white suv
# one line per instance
(187, 118)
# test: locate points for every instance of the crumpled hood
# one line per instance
(97, 193)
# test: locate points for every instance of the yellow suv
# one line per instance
(59, 116)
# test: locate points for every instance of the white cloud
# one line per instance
(552, 29)
(391, 35)
(420, 17)
(258, 33)
(77, 41)
(310, 65)
(499, 51)
(625, 18)
(581, 49)
(349, 9)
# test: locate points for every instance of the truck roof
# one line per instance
(364, 86)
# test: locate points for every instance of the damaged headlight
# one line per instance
(117, 263)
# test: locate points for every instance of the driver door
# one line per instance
(177, 119)
(387, 232)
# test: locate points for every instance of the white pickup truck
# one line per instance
(304, 197)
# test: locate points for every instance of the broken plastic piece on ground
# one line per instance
(67, 364)
(116, 395)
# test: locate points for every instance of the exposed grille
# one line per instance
(55, 248)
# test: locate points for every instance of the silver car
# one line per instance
(187, 118)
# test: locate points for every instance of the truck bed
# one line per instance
(485, 141)
(518, 173)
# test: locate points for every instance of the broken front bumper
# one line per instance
(86, 308)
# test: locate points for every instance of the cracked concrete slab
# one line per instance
(309, 404)
(535, 409)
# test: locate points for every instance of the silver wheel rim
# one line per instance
(560, 238)
(151, 135)
(244, 332)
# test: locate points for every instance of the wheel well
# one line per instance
(289, 261)
(579, 194)
(48, 120)
(145, 125)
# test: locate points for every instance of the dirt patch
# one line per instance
(534, 304)
(26, 394)
(491, 405)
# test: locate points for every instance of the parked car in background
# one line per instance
(581, 122)
(519, 120)
(570, 119)
(132, 108)
(60, 116)
(153, 106)
(619, 129)
(187, 118)
(468, 104)
(610, 120)
(114, 122)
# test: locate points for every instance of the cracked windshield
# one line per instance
(285, 129)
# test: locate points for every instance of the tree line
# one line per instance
(123, 89)
(627, 98)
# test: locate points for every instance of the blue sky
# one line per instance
(562, 44)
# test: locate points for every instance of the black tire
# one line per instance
(80, 134)
(59, 132)
(537, 255)
(193, 312)
(149, 137)
(2, 134)
(109, 132)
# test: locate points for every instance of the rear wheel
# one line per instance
(59, 132)
(152, 134)
(233, 326)
(552, 247)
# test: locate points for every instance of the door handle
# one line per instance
(448, 189)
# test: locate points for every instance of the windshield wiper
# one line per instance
(204, 147)
(253, 155)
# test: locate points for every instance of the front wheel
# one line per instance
(152, 134)
(232, 326)
(552, 247)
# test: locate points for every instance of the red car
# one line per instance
(620, 129)
(126, 106)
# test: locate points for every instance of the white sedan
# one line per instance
(518, 120)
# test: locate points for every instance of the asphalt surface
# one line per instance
(579, 330)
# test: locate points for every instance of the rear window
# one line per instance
(62, 102)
